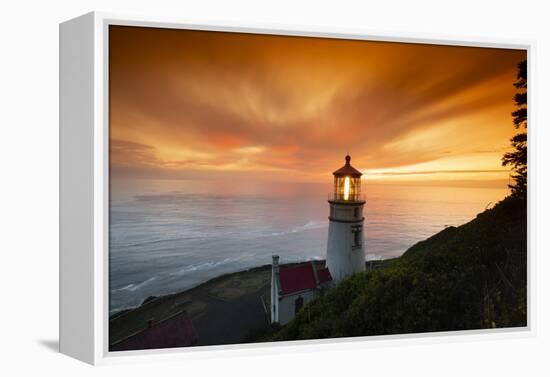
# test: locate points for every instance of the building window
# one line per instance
(298, 305)
(356, 213)
(358, 238)
(357, 234)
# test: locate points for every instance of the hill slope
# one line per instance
(467, 277)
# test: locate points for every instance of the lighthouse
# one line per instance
(294, 286)
(345, 246)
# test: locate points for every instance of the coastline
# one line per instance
(236, 303)
(441, 276)
(155, 249)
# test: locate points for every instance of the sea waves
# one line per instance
(312, 224)
(134, 287)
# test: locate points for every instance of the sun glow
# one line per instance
(346, 188)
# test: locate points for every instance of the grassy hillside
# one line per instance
(467, 277)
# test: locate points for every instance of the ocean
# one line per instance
(168, 238)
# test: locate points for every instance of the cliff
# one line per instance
(469, 277)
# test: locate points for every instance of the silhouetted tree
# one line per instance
(517, 159)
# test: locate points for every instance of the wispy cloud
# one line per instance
(184, 102)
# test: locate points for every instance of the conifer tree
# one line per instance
(517, 158)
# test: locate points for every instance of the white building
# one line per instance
(294, 286)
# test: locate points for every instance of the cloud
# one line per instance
(122, 152)
(425, 172)
(193, 101)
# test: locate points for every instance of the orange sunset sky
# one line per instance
(210, 105)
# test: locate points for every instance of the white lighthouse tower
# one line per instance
(345, 249)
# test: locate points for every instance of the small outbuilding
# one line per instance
(293, 286)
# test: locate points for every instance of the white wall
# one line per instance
(29, 190)
(343, 256)
(287, 305)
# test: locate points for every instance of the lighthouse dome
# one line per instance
(347, 170)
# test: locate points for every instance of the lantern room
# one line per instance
(347, 183)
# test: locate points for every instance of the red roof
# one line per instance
(324, 275)
(176, 331)
(301, 278)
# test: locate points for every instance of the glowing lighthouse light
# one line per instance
(347, 183)
(346, 188)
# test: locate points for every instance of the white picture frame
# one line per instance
(84, 191)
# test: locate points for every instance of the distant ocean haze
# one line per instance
(168, 236)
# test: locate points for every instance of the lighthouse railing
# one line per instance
(339, 197)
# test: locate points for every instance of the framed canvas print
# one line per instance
(262, 188)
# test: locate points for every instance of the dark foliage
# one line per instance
(470, 277)
(517, 158)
